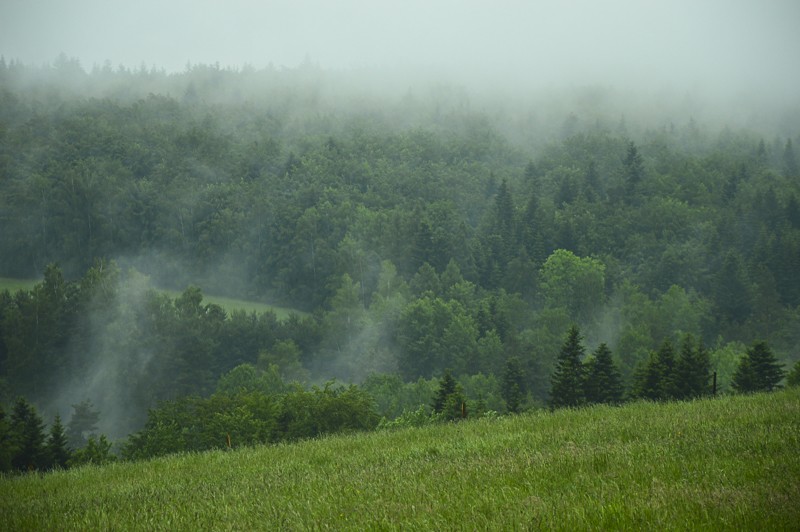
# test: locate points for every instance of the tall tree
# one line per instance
(692, 370)
(566, 382)
(513, 386)
(603, 380)
(758, 370)
(633, 173)
(58, 453)
(27, 436)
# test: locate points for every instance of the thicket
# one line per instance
(420, 235)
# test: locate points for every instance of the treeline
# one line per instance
(252, 406)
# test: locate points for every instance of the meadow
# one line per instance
(729, 463)
(229, 304)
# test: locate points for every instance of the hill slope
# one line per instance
(729, 463)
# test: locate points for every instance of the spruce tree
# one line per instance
(655, 380)
(603, 381)
(513, 387)
(692, 370)
(27, 437)
(758, 370)
(567, 380)
(58, 453)
(447, 387)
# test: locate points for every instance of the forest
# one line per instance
(448, 255)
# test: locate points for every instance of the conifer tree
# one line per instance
(758, 370)
(603, 380)
(447, 386)
(58, 453)
(27, 437)
(513, 387)
(567, 380)
(655, 380)
(692, 370)
(6, 448)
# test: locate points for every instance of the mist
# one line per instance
(719, 47)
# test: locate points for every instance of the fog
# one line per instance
(727, 47)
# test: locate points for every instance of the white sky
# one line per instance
(746, 44)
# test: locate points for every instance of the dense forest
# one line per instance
(444, 251)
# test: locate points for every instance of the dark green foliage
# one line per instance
(27, 438)
(603, 380)
(513, 387)
(656, 379)
(279, 196)
(57, 448)
(6, 442)
(567, 381)
(97, 451)
(250, 418)
(758, 370)
(634, 173)
(447, 387)
(692, 370)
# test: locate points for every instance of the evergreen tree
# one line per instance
(6, 442)
(758, 370)
(655, 380)
(566, 382)
(82, 424)
(603, 380)
(513, 386)
(447, 387)
(449, 399)
(58, 453)
(692, 370)
(633, 173)
(27, 437)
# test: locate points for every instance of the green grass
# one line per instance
(725, 464)
(231, 304)
(12, 285)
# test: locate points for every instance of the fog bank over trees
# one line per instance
(719, 47)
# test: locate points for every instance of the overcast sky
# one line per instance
(741, 44)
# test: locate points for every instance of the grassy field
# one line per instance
(724, 464)
(12, 285)
(229, 304)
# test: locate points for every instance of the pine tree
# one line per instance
(758, 370)
(566, 382)
(58, 453)
(27, 437)
(6, 442)
(603, 380)
(634, 173)
(656, 380)
(513, 387)
(447, 386)
(692, 370)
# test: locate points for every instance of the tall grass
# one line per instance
(725, 464)
(13, 285)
